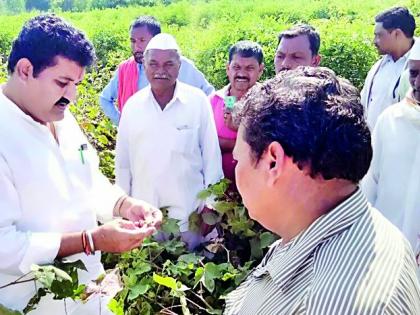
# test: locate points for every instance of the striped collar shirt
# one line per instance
(349, 261)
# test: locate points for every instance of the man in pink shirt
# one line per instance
(244, 68)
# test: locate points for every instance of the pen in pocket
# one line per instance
(82, 148)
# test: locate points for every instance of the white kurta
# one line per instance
(392, 184)
(45, 190)
(381, 86)
(167, 156)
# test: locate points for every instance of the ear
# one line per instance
(227, 68)
(316, 60)
(399, 33)
(273, 162)
(261, 70)
(24, 69)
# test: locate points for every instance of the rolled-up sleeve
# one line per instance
(20, 249)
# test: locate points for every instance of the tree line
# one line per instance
(19, 6)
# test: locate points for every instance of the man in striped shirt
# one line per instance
(302, 148)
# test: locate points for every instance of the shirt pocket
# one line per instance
(81, 161)
(185, 140)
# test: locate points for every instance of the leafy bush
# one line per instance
(164, 276)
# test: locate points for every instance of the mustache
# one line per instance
(62, 100)
(241, 78)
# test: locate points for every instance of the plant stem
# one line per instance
(17, 282)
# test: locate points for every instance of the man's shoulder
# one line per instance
(141, 96)
(394, 113)
(375, 68)
(373, 235)
(372, 253)
(126, 62)
(187, 62)
(191, 92)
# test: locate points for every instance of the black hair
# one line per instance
(398, 17)
(316, 116)
(45, 37)
(150, 22)
(247, 49)
(303, 29)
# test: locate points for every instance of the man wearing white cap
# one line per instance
(392, 184)
(130, 76)
(167, 146)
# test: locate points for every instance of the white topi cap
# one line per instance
(163, 41)
(415, 51)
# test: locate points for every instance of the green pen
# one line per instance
(82, 148)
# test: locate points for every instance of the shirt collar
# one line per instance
(16, 111)
(403, 58)
(286, 261)
(178, 94)
(223, 92)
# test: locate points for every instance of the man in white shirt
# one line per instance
(394, 31)
(130, 76)
(392, 184)
(167, 147)
(52, 192)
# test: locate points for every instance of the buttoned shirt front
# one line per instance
(349, 261)
(167, 156)
(46, 189)
(381, 86)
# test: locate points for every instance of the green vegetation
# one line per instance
(165, 276)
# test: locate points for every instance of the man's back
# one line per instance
(349, 261)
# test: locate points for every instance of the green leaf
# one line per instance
(174, 247)
(219, 188)
(198, 275)
(256, 251)
(146, 308)
(168, 282)
(191, 258)
(62, 289)
(208, 283)
(228, 276)
(212, 270)
(204, 194)
(224, 206)
(142, 268)
(103, 139)
(47, 274)
(194, 222)
(116, 307)
(139, 289)
(170, 226)
(266, 239)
